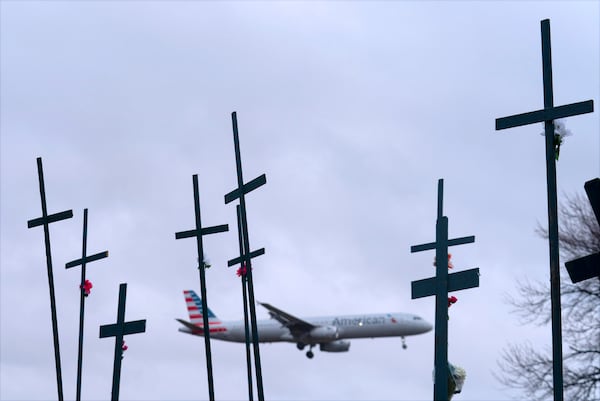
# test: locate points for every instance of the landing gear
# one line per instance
(309, 353)
(300, 346)
(404, 343)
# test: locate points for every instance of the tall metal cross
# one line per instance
(547, 115)
(118, 330)
(198, 232)
(83, 261)
(245, 259)
(45, 220)
(588, 266)
(439, 286)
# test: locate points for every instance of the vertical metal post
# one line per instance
(83, 261)
(238, 161)
(211, 390)
(45, 220)
(51, 285)
(552, 217)
(81, 305)
(440, 387)
(245, 300)
(440, 209)
(116, 382)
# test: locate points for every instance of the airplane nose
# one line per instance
(427, 327)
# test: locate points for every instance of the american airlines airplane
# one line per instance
(328, 332)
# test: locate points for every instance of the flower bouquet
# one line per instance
(560, 133)
(456, 379)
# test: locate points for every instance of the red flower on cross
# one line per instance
(86, 287)
(242, 270)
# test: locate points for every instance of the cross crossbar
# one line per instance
(246, 258)
(584, 268)
(451, 242)
(456, 281)
(87, 259)
(122, 329)
(248, 187)
(53, 218)
(549, 114)
(204, 231)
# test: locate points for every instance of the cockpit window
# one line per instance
(417, 318)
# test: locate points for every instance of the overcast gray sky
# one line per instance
(353, 110)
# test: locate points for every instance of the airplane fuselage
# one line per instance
(340, 327)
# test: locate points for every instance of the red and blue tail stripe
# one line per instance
(194, 306)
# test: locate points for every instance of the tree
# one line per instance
(526, 368)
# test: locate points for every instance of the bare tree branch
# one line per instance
(529, 370)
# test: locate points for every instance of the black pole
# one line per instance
(51, 282)
(440, 387)
(81, 305)
(83, 261)
(245, 300)
(198, 232)
(116, 383)
(552, 217)
(211, 390)
(238, 160)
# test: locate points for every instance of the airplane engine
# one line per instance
(324, 333)
(335, 346)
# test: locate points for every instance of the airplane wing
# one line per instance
(297, 327)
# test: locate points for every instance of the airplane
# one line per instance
(330, 333)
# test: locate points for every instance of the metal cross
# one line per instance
(45, 220)
(118, 330)
(588, 266)
(198, 232)
(439, 286)
(83, 261)
(547, 115)
(246, 257)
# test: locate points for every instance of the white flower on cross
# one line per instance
(560, 132)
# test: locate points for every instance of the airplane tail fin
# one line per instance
(194, 306)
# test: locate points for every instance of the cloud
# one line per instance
(352, 110)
